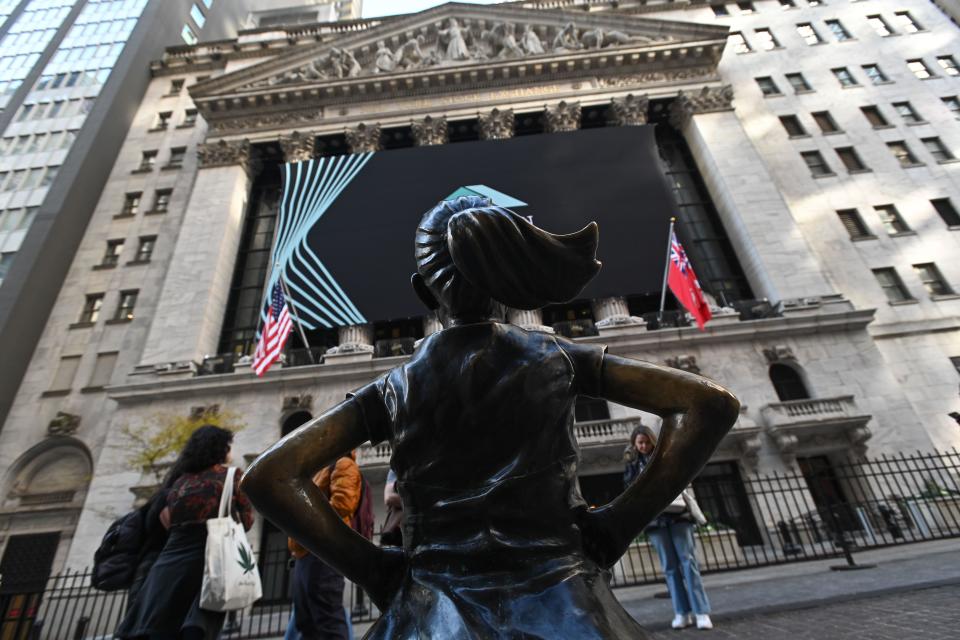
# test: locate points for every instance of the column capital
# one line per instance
(630, 110)
(297, 147)
(706, 100)
(496, 125)
(430, 131)
(224, 153)
(364, 138)
(563, 117)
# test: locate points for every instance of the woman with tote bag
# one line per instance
(168, 605)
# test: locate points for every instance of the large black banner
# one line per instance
(345, 238)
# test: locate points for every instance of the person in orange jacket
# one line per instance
(317, 588)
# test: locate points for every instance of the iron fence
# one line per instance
(828, 509)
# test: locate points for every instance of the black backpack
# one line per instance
(115, 561)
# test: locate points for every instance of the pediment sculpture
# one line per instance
(454, 42)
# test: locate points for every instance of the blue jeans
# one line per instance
(675, 546)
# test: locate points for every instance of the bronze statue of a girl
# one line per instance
(498, 542)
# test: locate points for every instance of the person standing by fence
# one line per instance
(671, 534)
(168, 604)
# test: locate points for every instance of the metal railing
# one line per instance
(832, 509)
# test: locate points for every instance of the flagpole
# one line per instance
(666, 271)
(296, 318)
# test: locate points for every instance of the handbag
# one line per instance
(231, 580)
(679, 505)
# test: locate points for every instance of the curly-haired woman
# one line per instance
(167, 606)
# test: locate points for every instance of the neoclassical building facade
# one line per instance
(830, 255)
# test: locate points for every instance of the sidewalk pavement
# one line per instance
(802, 585)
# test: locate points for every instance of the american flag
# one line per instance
(275, 333)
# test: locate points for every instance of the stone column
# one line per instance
(355, 343)
(496, 125)
(531, 320)
(612, 312)
(430, 131)
(364, 138)
(563, 117)
(190, 308)
(629, 111)
(297, 147)
(738, 181)
(431, 324)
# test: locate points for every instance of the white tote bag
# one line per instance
(230, 577)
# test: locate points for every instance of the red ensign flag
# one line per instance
(683, 283)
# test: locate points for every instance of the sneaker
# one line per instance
(681, 621)
(704, 621)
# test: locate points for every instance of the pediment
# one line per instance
(450, 43)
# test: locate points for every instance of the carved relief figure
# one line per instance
(503, 41)
(531, 41)
(410, 55)
(455, 36)
(386, 60)
(567, 39)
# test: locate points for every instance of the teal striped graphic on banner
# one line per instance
(309, 188)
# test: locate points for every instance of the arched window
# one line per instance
(294, 420)
(788, 383)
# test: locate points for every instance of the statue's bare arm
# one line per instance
(697, 414)
(280, 485)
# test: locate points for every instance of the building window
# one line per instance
(163, 120)
(793, 127)
(952, 103)
(746, 7)
(919, 69)
(128, 300)
(890, 219)
(838, 30)
(145, 248)
(874, 117)
(875, 74)
(176, 86)
(932, 279)
(49, 176)
(66, 372)
(767, 86)
(825, 121)
(767, 41)
(949, 65)
(787, 4)
(189, 118)
(937, 149)
(844, 77)
(188, 35)
(131, 203)
(91, 308)
(850, 160)
(906, 111)
(853, 223)
(798, 82)
(787, 383)
(891, 284)
(112, 255)
(148, 160)
(198, 18)
(809, 34)
(906, 22)
(817, 165)
(815, 3)
(719, 10)
(880, 26)
(739, 43)
(161, 200)
(946, 211)
(102, 370)
(177, 154)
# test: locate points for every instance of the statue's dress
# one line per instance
(480, 420)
